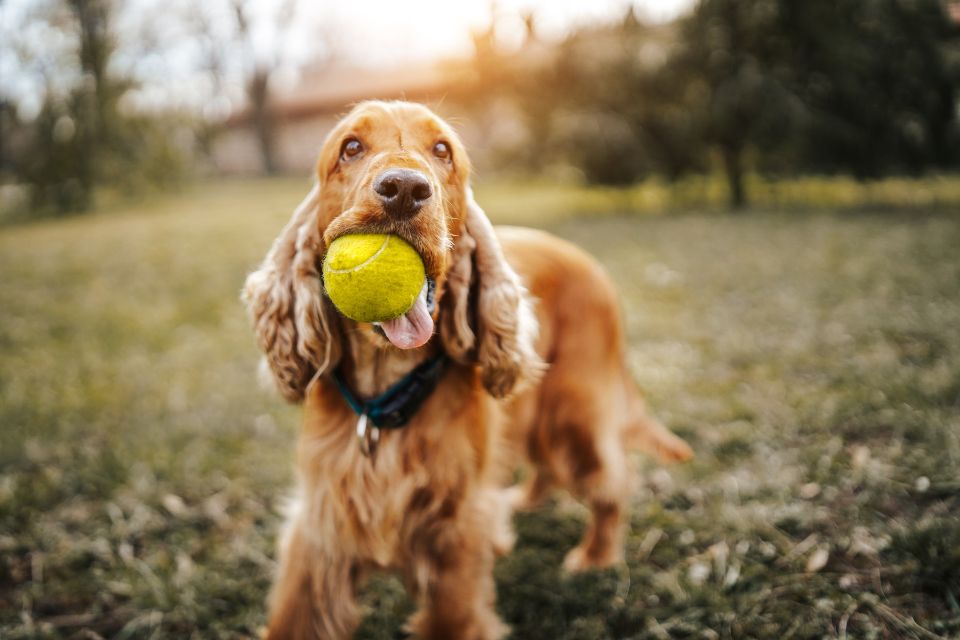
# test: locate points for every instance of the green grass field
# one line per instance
(811, 358)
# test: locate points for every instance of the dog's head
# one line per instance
(394, 168)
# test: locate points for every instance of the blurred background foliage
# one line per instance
(867, 88)
(775, 88)
(80, 137)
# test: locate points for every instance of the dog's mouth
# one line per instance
(414, 328)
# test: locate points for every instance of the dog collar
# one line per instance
(394, 408)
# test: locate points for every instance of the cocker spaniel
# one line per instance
(512, 354)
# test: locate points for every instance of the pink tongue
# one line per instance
(412, 329)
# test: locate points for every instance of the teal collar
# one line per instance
(397, 405)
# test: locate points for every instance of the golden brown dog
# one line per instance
(530, 327)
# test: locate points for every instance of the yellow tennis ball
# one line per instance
(372, 277)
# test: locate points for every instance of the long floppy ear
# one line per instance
(291, 317)
(488, 315)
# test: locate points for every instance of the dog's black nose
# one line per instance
(403, 191)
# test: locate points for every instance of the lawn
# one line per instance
(812, 359)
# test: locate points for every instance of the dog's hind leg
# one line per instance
(581, 444)
(605, 490)
(313, 597)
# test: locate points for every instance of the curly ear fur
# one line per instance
(293, 323)
(458, 315)
(489, 315)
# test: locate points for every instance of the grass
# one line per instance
(811, 358)
(533, 203)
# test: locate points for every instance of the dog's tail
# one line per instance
(645, 433)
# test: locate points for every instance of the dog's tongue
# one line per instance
(412, 329)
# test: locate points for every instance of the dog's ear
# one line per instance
(292, 319)
(488, 316)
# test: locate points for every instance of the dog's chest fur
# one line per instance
(422, 474)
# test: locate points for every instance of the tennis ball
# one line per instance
(372, 277)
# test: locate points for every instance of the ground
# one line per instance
(812, 359)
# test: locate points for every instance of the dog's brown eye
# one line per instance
(442, 150)
(351, 148)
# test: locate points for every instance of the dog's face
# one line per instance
(396, 168)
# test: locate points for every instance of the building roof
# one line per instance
(331, 89)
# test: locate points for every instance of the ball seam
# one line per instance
(382, 248)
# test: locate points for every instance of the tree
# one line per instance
(62, 150)
(93, 101)
(257, 36)
(860, 86)
(72, 135)
(878, 84)
(605, 100)
(259, 69)
(733, 49)
(251, 25)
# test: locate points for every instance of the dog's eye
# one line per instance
(350, 149)
(442, 151)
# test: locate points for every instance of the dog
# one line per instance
(513, 353)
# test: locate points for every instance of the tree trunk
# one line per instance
(733, 167)
(259, 94)
(93, 104)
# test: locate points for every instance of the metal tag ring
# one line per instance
(367, 437)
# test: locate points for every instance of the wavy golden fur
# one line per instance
(538, 377)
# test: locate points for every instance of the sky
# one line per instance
(390, 30)
(156, 48)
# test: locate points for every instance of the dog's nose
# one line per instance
(402, 191)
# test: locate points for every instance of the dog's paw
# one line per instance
(517, 498)
(503, 540)
(485, 626)
(581, 559)
(498, 512)
(529, 495)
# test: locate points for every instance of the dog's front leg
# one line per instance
(452, 576)
(314, 595)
